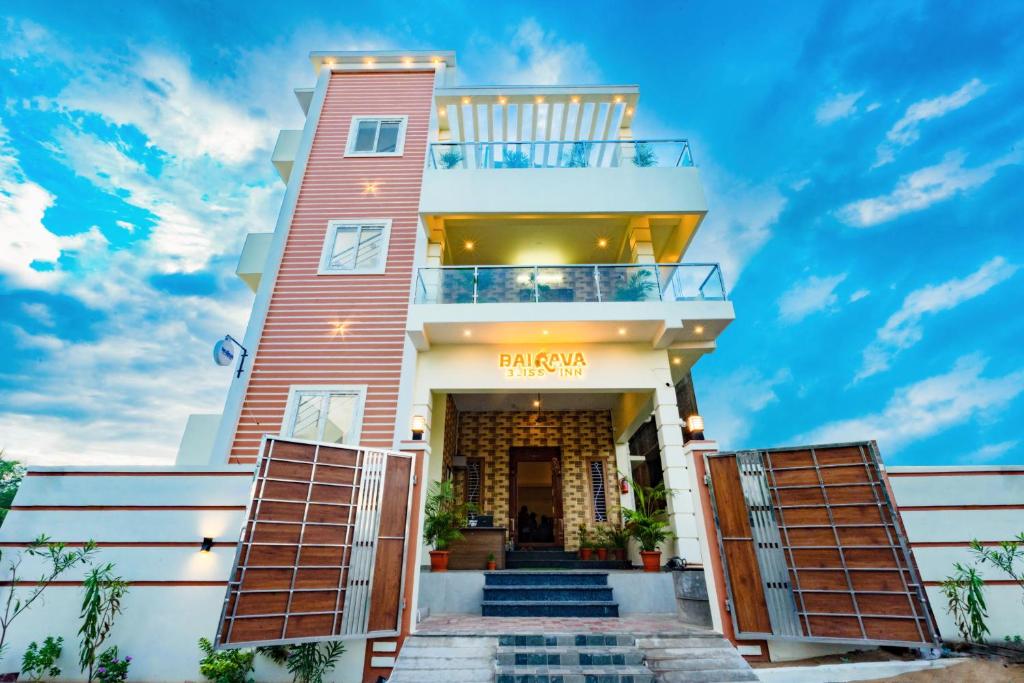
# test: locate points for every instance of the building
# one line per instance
(487, 284)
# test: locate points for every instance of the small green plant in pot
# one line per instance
(492, 562)
(444, 516)
(618, 538)
(586, 543)
(648, 523)
(225, 666)
(601, 542)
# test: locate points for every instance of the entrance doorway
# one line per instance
(535, 482)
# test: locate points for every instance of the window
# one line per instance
(372, 136)
(597, 491)
(475, 482)
(355, 247)
(328, 414)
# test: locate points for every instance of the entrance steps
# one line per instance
(445, 659)
(548, 594)
(697, 658)
(556, 559)
(570, 658)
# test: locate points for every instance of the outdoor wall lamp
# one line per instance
(205, 546)
(419, 425)
(695, 425)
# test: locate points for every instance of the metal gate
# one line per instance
(813, 549)
(323, 551)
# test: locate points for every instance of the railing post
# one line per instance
(657, 281)
(597, 282)
(536, 284)
(476, 277)
(721, 281)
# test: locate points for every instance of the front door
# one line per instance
(535, 482)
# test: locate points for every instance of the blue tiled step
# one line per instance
(550, 608)
(548, 592)
(520, 640)
(541, 578)
(570, 656)
(568, 674)
(565, 564)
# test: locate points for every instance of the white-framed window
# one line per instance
(376, 136)
(332, 414)
(356, 246)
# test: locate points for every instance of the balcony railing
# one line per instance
(560, 154)
(566, 284)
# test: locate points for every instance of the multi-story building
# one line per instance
(487, 285)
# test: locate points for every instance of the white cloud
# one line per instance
(158, 94)
(903, 329)
(839, 106)
(809, 295)
(989, 453)
(906, 131)
(927, 408)
(728, 411)
(39, 312)
(925, 187)
(859, 294)
(531, 55)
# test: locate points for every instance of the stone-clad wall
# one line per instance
(582, 435)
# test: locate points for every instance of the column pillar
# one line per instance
(675, 467)
(641, 246)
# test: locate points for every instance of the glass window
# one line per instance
(323, 415)
(597, 491)
(355, 248)
(377, 136)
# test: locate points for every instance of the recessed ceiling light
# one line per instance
(699, 329)
(622, 330)
(617, 99)
(677, 361)
(407, 61)
(369, 61)
(575, 99)
(544, 332)
(466, 100)
(502, 100)
(469, 245)
(629, 112)
(538, 100)
(467, 333)
(435, 60)
(602, 242)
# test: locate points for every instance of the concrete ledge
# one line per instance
(836, 673)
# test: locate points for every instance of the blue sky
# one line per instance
(863, 164)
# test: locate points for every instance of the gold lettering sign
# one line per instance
(565, 364)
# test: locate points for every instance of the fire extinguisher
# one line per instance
(623, 486)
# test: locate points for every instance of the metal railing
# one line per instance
(570, 283)
(560, 154)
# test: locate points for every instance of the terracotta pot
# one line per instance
(651, 559)
(491, 566)
(438, 560)
(602, 554)
(620, 554)
(585, 553)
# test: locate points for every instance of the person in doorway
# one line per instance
(522, 522)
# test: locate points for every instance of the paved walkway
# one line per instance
(471, 625)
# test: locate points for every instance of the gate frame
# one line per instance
(904, 544)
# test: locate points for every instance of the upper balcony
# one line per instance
(671, 305)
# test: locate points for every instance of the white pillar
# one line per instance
(675, 467)
(708, 546)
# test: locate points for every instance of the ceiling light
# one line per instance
(369, 61)
(435, 60)
(467, 333)
(602, 242)
(407, 61)
(622, 330)
(544, 332)
(617, 99)
(442, 112)
(466, 100)
(629, 112)
(536, 403)
(575, 99)
(502, 100)
(677, 361)
(538, 100)
(468, 245)
(699, 329)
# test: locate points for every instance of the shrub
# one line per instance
(38, 662)
(965, 602)
(100, 605)
(225, 666)
(111, 668)
(306, 662)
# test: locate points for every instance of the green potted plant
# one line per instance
(636, 286)
(601, 542)
(648, 523)
(451, 159)
(618, 537)
(444, 516)
(492, 563)
(586, 545)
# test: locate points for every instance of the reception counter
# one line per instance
(478, 542)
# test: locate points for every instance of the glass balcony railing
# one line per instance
(560, 154)
(567, 284)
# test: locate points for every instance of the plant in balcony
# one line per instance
(444, 516)
(637, 286)
(643, 155)
(515, 158)
(579, 155)
(451, 158)
(648, 522)
(492, 562)
(586, 543)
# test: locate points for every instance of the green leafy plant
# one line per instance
(445, 514)
(58, 560)
(965, 602)
(637, 286)
(38, 662)
(451, 158)
(515, 158)
(585, 539)
(1006, 557)
(11, 473)
(100, 606)
(226, 666)
(648, 523)
(491, 558)
(643, 155)
(579, 155)
(111, 668)
(306, 662)
(618, 536)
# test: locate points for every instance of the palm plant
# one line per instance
(451, 158)
(637, 286)
(643, 155)
(579, 155)
(515, 158)
(648, 523)
(445, 514)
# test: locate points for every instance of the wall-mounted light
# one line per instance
(695, 425)
(369, 61)
(419, 425)
(205, 546)
(407, 61)
(370, 186)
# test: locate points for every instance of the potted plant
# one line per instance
(492, 563)
(585, 543)
(444, 515)
(618, 537)
(601, 543)
(648, 523)
(636, 286)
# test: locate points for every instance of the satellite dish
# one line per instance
(224, 351)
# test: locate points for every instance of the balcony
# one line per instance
(253, 260)
(666, 305)
(650, 177)
(285, 151)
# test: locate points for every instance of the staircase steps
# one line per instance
(570, 659)
(548, 594)
(697, 658)
(445, 659)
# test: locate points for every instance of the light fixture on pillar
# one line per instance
(419, 425)
(695, 425)
(206, 545)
